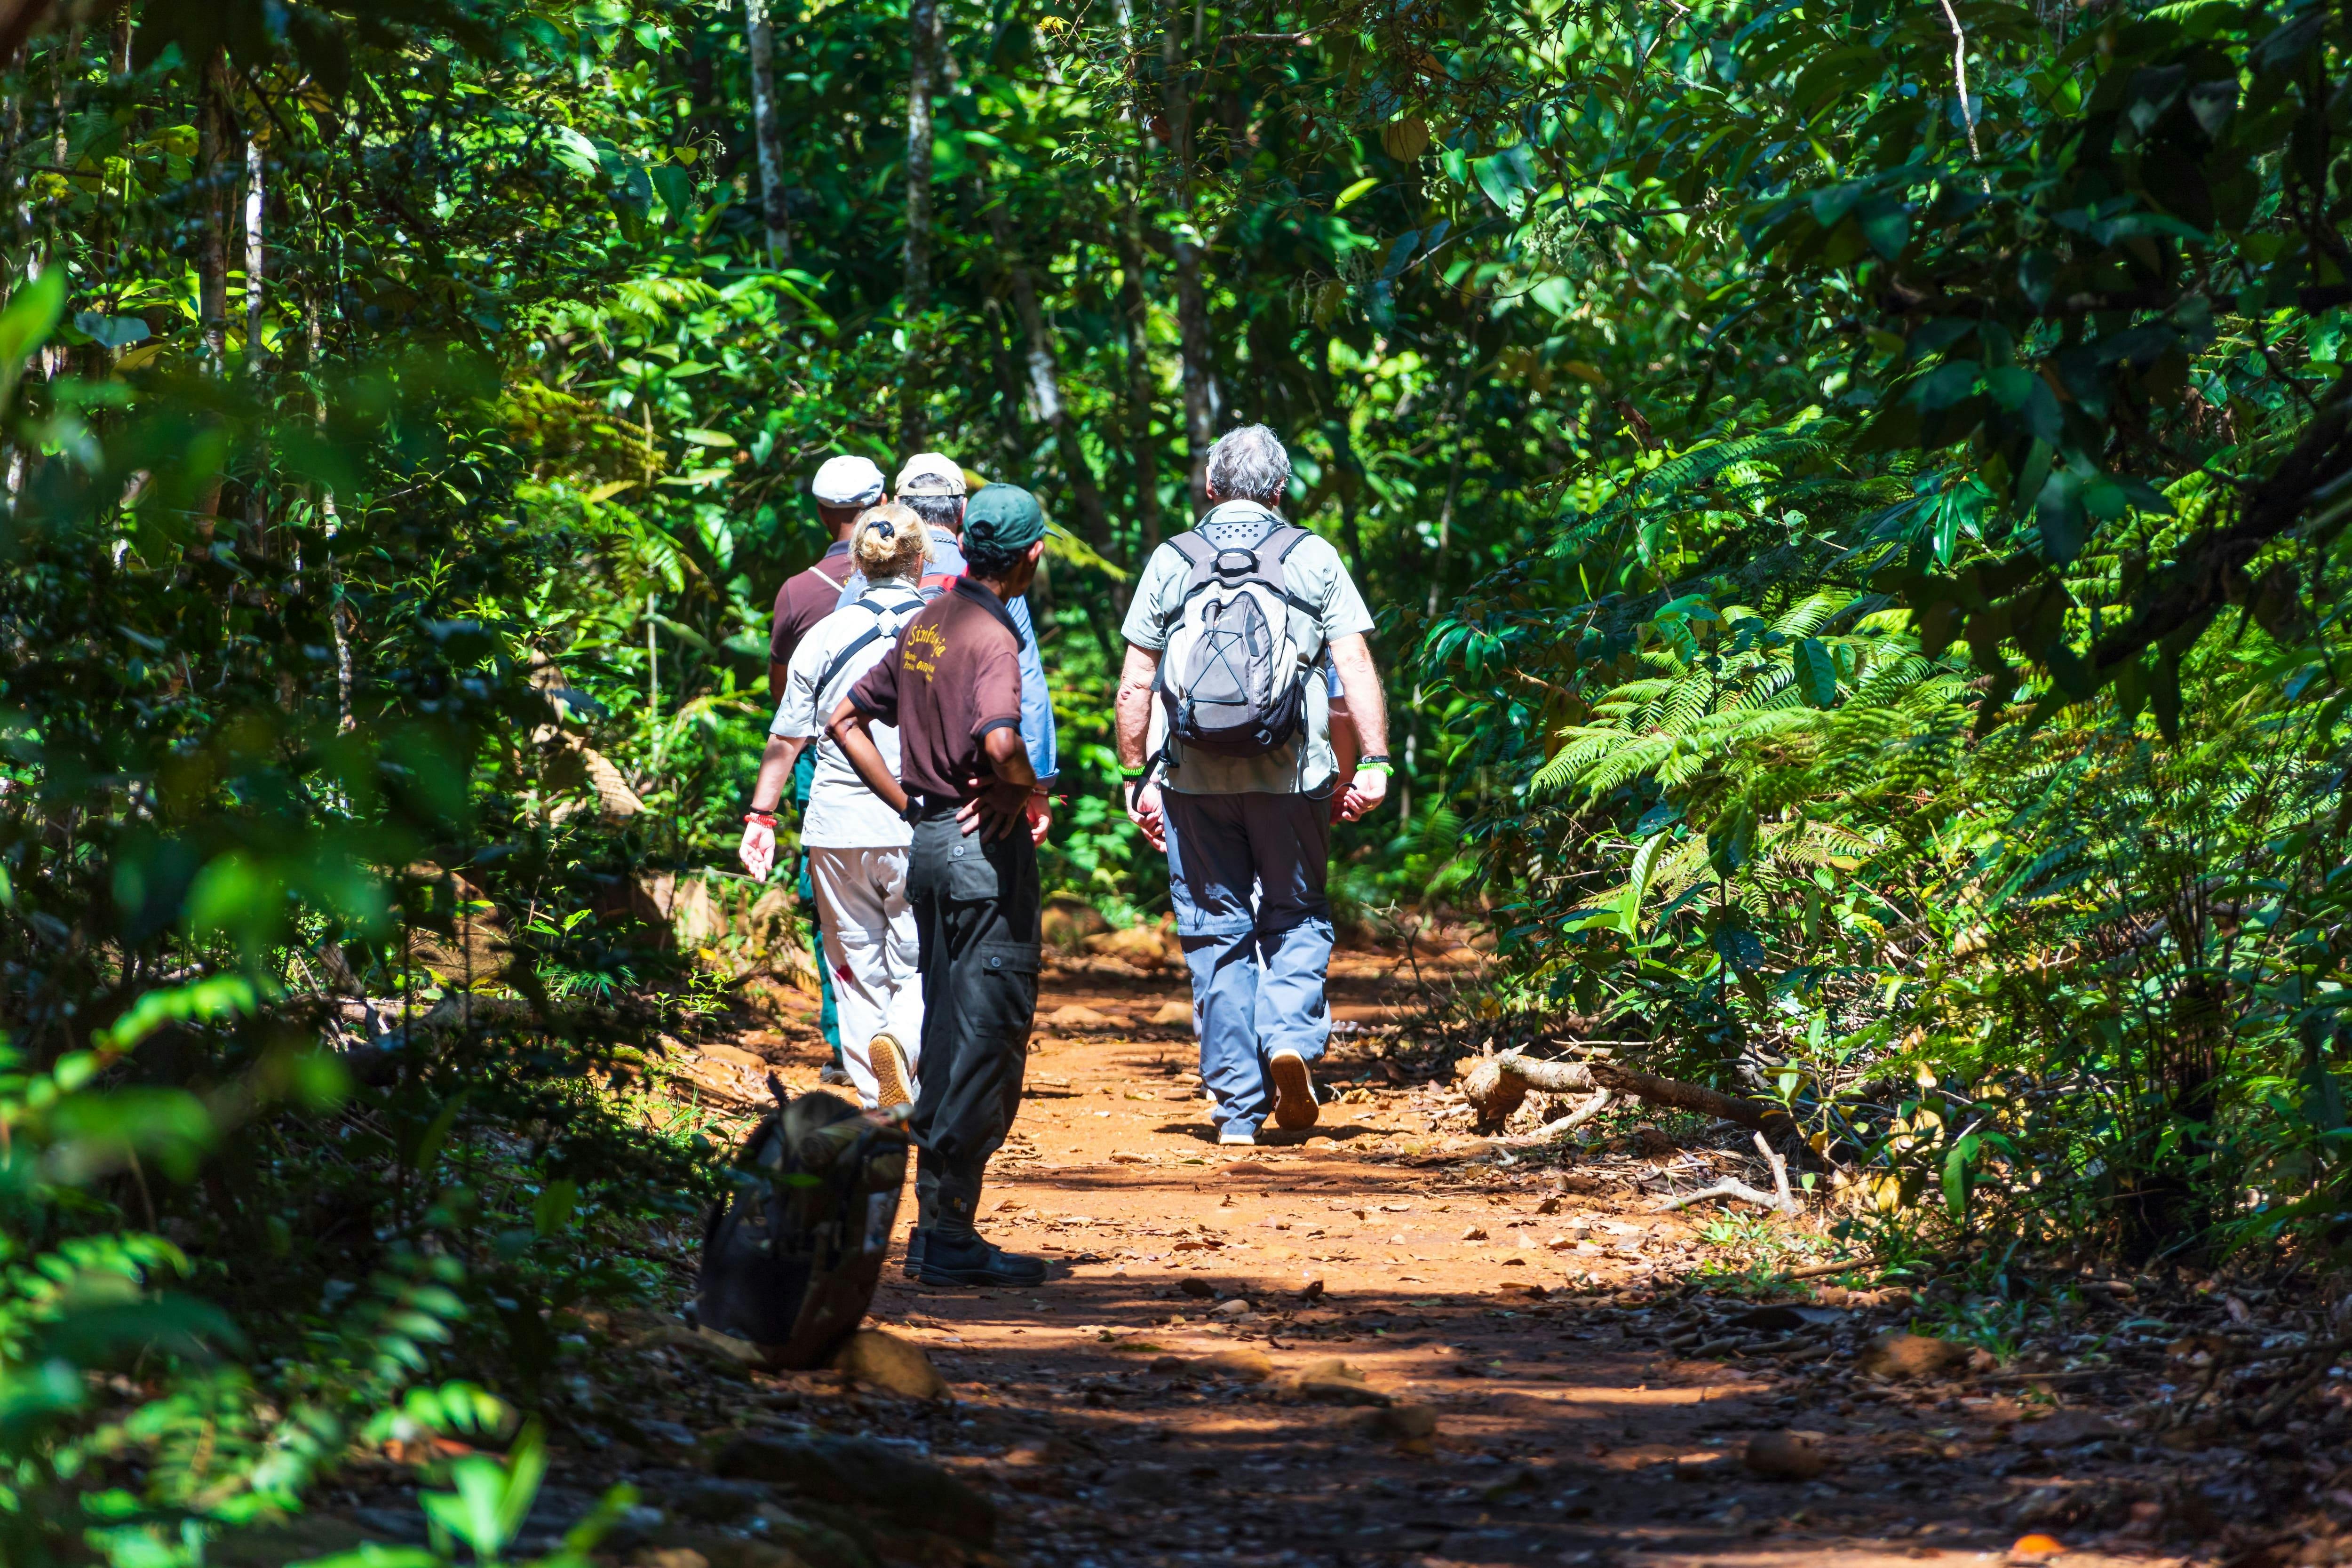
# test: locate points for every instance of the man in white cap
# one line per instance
(842, 488)
(933, 487)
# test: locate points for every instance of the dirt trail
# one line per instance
(1520, 1313)
(1528, 1370)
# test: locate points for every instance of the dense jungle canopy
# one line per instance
(1855, 497)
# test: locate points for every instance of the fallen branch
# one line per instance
(1758, 1116)
(1729, 1187)
(377, 1062)
(1498, 1085)
(1780, 1174)
(1600, 1102)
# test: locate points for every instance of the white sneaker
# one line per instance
(891, 1085)
(1234, 1138)
(1293, 1092)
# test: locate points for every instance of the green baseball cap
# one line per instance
(1001, 520)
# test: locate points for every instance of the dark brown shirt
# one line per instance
(954, 676)
(806, 598)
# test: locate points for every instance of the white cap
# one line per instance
(847, 481)
(930, 474)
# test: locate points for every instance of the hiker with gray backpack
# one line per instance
(1237, 631)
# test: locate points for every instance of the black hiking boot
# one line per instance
(968, 1260)
(914, 1258)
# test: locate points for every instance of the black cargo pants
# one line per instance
(976, 909)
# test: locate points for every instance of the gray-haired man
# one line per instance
(1249, 838)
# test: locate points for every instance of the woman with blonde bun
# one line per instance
(856, 846)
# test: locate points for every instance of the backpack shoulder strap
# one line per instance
(1200, 557)
(1274, 551)
(871, 635)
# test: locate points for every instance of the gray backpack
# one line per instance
(1231, 678)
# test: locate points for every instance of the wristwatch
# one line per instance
(912, 812)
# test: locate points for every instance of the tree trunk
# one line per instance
(1200, 378)
(1013, 446)
(12, 146)
(1460, 406)
(922, 26)
(1046, 385)
(766, 133)
(1127, 236)
(257, 195)
(215, 133)
(212, 182)
(1142, 444)
(1191, 295)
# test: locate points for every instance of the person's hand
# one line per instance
(996, 811)
(757, 850)
(1365, 791)
(1041, 817)
(1143, 809)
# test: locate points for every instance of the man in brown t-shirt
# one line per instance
(844, 486)
(953, 687)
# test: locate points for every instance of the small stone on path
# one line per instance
(1787, 1456)
(1245, 1365)
(878, 1359)
(1900, 1354)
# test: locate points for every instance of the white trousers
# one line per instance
(871, 945)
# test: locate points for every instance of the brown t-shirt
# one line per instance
(954, 676)
(806, 598)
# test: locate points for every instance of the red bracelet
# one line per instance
(764, 818)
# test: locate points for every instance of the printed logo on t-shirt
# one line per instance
(923, 660)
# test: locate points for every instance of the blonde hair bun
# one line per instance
(889, 542)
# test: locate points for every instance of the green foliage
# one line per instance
(1957, 758)
(406, 413)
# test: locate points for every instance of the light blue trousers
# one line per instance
(1246, 875)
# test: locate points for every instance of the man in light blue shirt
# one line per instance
(933, 487)
(1249, 836)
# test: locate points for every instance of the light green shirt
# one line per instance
(1315, 575)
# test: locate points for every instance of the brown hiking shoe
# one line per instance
(893, 1084)
(1293, 1092)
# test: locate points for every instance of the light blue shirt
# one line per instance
(1036, 698)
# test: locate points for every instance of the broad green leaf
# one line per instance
(214, 997)
(556, 1204)
(1817, 675)
(27, 323)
